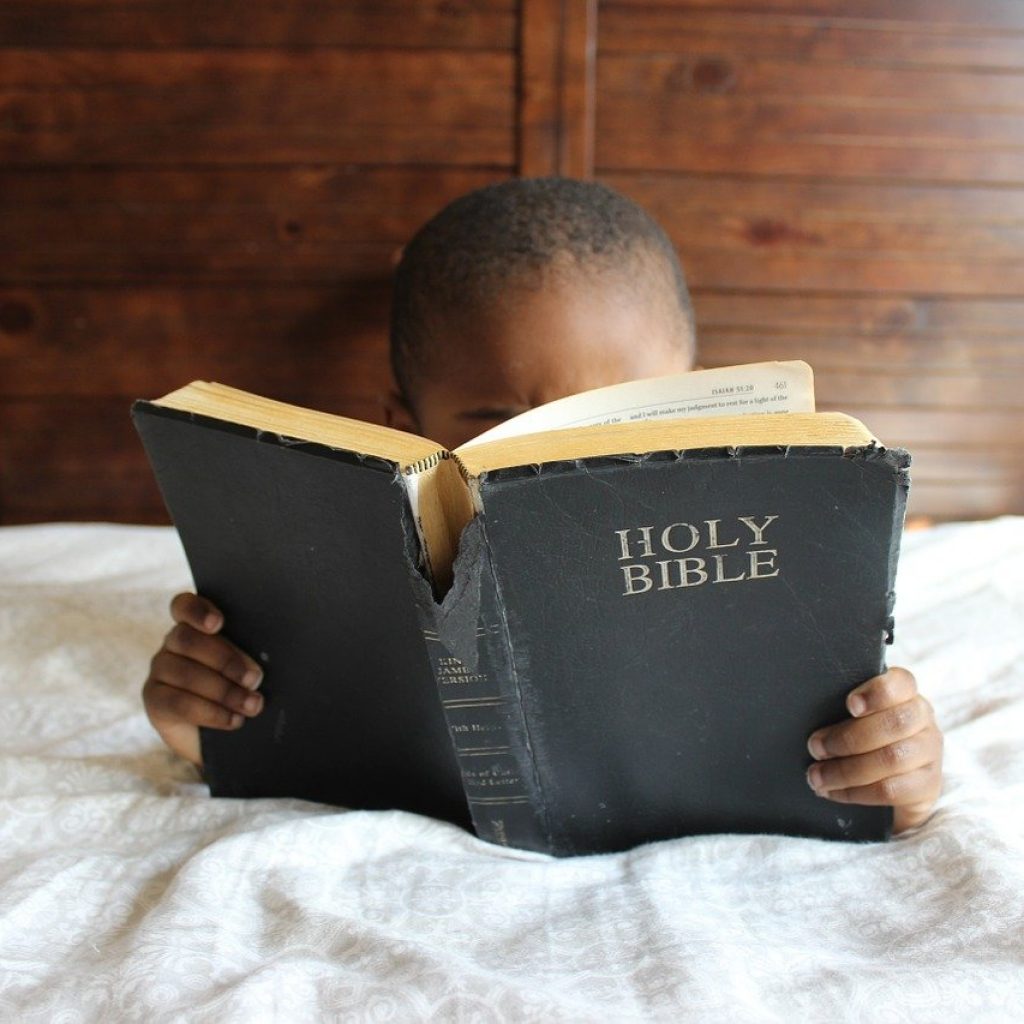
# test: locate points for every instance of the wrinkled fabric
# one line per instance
(127, 893)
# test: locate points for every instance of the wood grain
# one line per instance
(225, 224)
(814, 235)
(556, 88)
(320, 342)
(259, 106)
(221, 192)
(272, 24)
(836, 37)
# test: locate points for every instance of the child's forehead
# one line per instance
(554, 341)
(610, 308)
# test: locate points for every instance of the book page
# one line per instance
(724, 391)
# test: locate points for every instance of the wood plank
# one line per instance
(938, 15)
(820, 38)
(556, 87)
(159, 24)
(840, 349)
(956, 427)
(742, 233)
(829, 270)
(327, 342)
(669, 113)
(305, 223)
(988, 464)
(869, 315)
(666, 79)
(265, 107)
(908, 388)
(677, 200)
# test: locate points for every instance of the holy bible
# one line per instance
(613, 620)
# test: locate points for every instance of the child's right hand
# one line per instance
(199, 678)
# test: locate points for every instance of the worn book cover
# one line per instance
(642, 624)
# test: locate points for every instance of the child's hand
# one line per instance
(889, 752)
(198, 678)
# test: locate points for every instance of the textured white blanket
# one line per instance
(126, 893)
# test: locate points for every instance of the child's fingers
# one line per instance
(197, 612)
(896, 686)
(169, 704)
(898, 758)
(190, 676)
(860, 735)
(917, 788)
(214, 652)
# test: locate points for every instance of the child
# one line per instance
(513, 296)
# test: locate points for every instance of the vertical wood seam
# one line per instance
(555, 88)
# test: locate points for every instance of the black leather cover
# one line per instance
(687, 710)
(592, 711)
(307, 550)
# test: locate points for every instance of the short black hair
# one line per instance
(514, 232)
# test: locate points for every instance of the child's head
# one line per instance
(524, 292)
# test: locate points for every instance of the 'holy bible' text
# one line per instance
(692, 554)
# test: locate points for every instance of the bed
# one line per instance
(127, 893)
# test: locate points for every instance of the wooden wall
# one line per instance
(220, 191)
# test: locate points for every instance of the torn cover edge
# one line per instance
(459, 627)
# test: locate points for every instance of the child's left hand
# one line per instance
(889, 752)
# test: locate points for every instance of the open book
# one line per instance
(612, 619)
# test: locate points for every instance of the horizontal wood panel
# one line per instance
(930, 426)
(909, 389)
(870, 315)
(54, 24)
(326, 342)
(674, 112)
(831, 270)
(316, 223)
(915, 95)
(305, 223)
(257, 106)
(821, 38)
(799, 235)
(844, 350)
(936, 15)
(986, 464)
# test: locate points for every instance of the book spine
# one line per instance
(471, 657)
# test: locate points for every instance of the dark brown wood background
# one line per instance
(220, 191)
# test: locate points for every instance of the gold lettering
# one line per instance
(634, 579)
(720, 576)
(667, 533)
(686, 570)
(713, 536)
(758, 531)
(755, 563)
(623, 536)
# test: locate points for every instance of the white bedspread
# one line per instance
(126, 893)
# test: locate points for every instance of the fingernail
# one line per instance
(814, 778)
(252, 703)
(857, 705)
(817, 747)
(252, 678)
(212, 622)
(236, 720)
